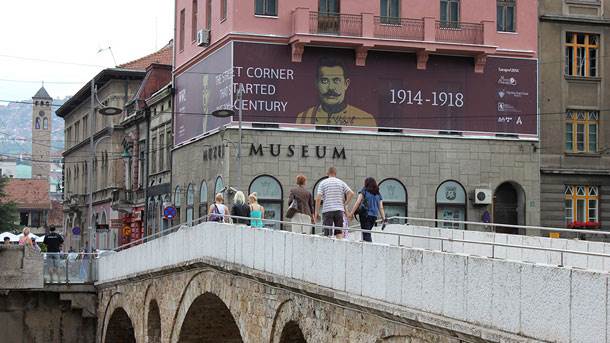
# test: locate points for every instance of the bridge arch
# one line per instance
(152, 315)
(120, 328)
(153, 323)
(286, 326)
(118, 324)
(204, 313)
(292, 333)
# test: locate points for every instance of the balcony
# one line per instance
(335, 24)
(461, 33)
(399, 28)
(365, 31)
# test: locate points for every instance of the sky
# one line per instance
(72, 32)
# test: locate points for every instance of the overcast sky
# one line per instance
(72, 31)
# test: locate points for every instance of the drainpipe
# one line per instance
(145, 177)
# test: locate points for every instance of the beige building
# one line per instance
(159, 164)
(575, 137)
(114, 88)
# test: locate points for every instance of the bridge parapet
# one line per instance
(20, 268)
(483, 297)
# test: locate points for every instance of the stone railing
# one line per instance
(508, 298)
(21, 267)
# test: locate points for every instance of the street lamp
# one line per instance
(228, 113)
(107, 111)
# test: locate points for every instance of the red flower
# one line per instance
(583, 225)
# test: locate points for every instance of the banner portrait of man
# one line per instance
(332, 83)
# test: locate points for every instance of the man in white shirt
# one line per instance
(335, 194)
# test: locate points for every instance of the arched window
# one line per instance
(177, 205)
(269, 193)
(451, 204)
(394, 196)
(190, 200)
(203, 199)
(37, 123)
(45, 123)
(219, 185)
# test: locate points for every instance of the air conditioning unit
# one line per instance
(203, 37)
(482, 196)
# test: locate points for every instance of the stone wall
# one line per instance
(421, 163)
(20, 268)
(44, 317)
(461, 295)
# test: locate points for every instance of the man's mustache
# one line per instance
(331, 93)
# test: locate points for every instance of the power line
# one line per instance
(45, 81)
(51, 61)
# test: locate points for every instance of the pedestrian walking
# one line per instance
(334, 195)
(369, 207)
(53, 241)
(301, 207)
(257, 212)
(218, 212)
(240, 208)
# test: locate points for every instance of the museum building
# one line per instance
(437, 100)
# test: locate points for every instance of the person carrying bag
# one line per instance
(301, 207)
(369, 207)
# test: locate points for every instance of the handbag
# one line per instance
(363, 210)
(292, 209)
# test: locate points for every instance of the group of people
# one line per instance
(331, 204)
(251, 213)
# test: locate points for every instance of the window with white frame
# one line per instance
(581, 204)
(581, 129)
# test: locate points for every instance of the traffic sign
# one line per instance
(126, 231)
(169, 212)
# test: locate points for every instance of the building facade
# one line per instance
(140, 150)
(574, 81)
(32, 199)
(159, 192)
(115, 87)
(435, 99)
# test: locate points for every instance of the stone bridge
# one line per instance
(225, 283)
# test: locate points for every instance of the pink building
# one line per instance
(424, 27)
(402, 77)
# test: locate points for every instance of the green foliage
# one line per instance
(8, 209)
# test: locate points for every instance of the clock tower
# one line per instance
(41, 134)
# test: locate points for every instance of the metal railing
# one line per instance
(336, 24)
(69, 268)
(399, 28)
(492, 227)
(458, 32)
(402, 238)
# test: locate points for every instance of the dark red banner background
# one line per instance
(390, 91)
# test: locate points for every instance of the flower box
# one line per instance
(583, 225)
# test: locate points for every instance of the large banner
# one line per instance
(199, 91)
(327, 88)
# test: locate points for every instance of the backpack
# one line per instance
(216, 216)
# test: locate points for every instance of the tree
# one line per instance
(8, 209)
